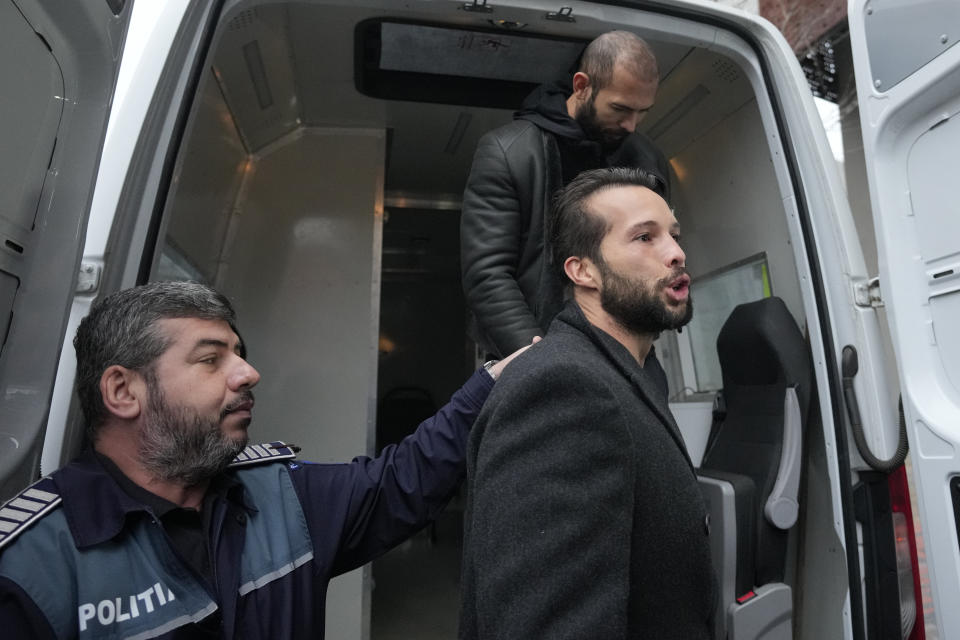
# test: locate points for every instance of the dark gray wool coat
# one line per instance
(584, 519)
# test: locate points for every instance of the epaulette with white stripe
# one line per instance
(34, 502)
(269, 452)
(40, 498)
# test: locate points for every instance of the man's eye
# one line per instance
(209, 360)
(643, 237)
(676, 238)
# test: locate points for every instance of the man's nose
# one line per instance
(244, 376)
(630, 122)
(675, 255)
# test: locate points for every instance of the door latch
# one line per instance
(866, 293)
(88, 279)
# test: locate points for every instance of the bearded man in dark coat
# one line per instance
(584, 518)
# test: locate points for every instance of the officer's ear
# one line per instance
(123, 392)
(581, 85)
(582, 272)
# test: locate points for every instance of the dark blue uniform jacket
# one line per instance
(94, 563)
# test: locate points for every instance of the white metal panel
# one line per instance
(721, 225)
(253, 63)
(701, 92)
(205, 184)
(302, 266)
(57, 139)
(152, 29)
(910, 140)
(31, 103)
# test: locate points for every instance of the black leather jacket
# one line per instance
(512, 289)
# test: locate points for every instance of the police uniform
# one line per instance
(81, 558)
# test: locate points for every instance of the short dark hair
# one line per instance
(578, 231)
(122, 329)
(618, 47)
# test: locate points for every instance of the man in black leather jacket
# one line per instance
(560, 130)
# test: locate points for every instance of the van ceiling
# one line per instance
(284, 66)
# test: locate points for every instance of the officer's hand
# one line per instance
(497, 369)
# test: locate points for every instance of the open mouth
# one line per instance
(680, 287)
(680, 284)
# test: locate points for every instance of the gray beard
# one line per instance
(179, 445)
(639, 309)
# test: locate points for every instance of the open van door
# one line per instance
(58, 67)
(908, 82)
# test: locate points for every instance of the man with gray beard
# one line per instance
(584, 519)
(169, 525)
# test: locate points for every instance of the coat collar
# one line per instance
(641, 379)
(97, 508)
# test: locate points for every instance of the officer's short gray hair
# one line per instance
(121, 329)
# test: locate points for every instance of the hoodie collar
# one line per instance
(546, 107)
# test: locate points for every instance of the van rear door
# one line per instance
(58, 67)
(908, 81)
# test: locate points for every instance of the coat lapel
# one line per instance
(641, 381)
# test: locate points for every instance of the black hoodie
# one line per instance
(546, 107)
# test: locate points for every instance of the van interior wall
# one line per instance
(302, 267)
(821, 580)
(205, 187)
(730, 207)
(291, 234)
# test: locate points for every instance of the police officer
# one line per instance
(169, 525)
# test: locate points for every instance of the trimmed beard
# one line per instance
(182, 446)
(608, 139)
(638, 308)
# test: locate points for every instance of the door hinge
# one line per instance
(88, 280)
(866, 293)
(477, 6)
(565, 14)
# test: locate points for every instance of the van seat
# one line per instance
(750, 474)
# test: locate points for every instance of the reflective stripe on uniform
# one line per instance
(26, 508)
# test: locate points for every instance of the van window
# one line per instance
(716, 295)
(467, 66)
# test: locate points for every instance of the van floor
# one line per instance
(416, 594)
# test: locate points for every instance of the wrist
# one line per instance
(488, 366)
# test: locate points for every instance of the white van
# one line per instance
(307, 158)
